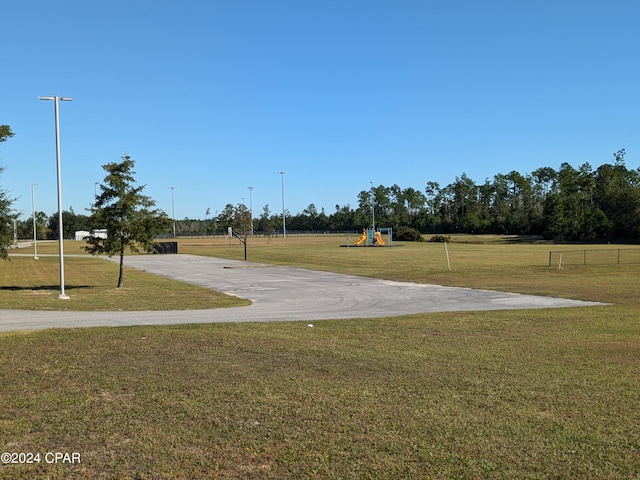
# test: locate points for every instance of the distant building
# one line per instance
(83, 234)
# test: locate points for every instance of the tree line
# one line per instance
(567, 204)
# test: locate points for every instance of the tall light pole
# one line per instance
(284, 222)
(373, 209)
(56, 100)
(251, 207)
(173, 212)
(33, 211)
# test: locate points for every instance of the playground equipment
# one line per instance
(373, 238)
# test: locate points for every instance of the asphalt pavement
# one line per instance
(283, 294)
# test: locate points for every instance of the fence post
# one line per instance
(550, 252)
(585, 257)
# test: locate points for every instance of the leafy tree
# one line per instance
(310, 219)
(71, 223)
(383, 203)
(464, 206)
(617, 194)
(397, 209)
(226, 217)
(415, 201)
(265, 224)
(521, 202)
(342, 219)
(25, 227)
(554, 219)
(241, 222)
(6, 217)
(129, 217)
(41, 225)
(485, 196)
(237, 217)
(542, 181)
(433, 195)
(544, 176)
(6, 223)
(500, 203)
(5, 133)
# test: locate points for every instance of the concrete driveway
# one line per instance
(284, 294)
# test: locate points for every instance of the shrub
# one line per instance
(407, 234)
(440, 238)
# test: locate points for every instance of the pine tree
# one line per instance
(127, 215)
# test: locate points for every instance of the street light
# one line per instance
(173, 212)
(33, 210)
(57, 99)
(284, 222)
(251, 207)
(373, 210)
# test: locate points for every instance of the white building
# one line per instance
(83, 234)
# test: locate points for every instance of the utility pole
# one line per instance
(284, 221)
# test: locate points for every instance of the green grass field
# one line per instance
(532, 394)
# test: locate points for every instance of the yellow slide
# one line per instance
(361, 239)
(378, 238)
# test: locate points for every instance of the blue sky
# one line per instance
(211, 96)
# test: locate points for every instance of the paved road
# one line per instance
(283, 294)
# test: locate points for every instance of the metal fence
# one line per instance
(595, 256)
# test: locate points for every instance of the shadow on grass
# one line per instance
(532, 239)
(43, 287)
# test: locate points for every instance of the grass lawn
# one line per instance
(90, 283)
(512, 394)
